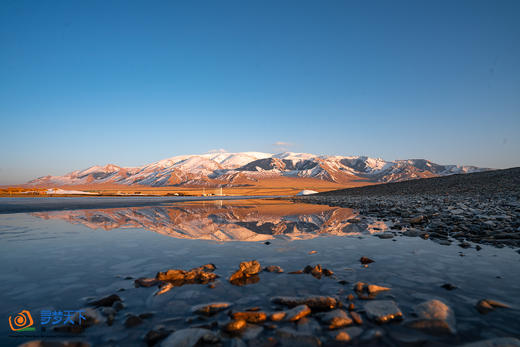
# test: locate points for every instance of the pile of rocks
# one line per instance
(479, 208)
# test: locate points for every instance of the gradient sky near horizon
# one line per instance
(87, 83)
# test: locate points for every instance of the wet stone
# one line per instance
(92, 317)
(317, 271)
(118, 306)
(335, 319)
(211, 308)
(200, 275)
(277, 316)
(273, 268)
(250, 317)
(132, 321)
(365, 260)
(235, 326)
(164, 288)
(374, 289)
(106, 301)
(190, 337)
(487, 305)
(448, 286)
(154, 336)
(246, 269)
(434, 317)
(347, 334)
(372, 334)
(316, 303)
(298, 312)
(382, 311)
(356, 317)
(146, 282)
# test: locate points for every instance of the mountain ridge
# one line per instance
(246, 168)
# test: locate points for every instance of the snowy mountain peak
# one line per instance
(224, 168)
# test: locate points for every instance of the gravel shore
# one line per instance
(479, 207)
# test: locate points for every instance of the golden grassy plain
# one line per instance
(268, 187)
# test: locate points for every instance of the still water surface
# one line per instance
(58, 260)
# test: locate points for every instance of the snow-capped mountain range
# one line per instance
(235, 169)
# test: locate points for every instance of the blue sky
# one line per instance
(130, 82)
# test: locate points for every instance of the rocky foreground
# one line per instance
(312, 320)
(479, 207)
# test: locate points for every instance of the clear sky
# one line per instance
(131, 82)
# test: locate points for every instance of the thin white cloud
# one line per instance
(219, 150)
(282, 144)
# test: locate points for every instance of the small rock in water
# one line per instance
(273, 268)
(328, 272)
(365, 260)
(250, 317)
(317, 271)
(166, 287)
(277, 316)
(106, 301)
(190, 337)
(382, 311)
(347, 334)
(235, 326)
(356, 317)
(200, 275)
(298, 312)
(487, 305)
(316, 303)
(132, 321)
(434, 317)
(118, 306)
(146, 282)
(448, 286)
(246, 269)
(211, 308)
(154, 336)
(374, 289)
(336, 319)
(342, 336)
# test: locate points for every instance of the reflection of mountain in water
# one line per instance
(246, 220)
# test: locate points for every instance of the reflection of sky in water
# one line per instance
(51, 263)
